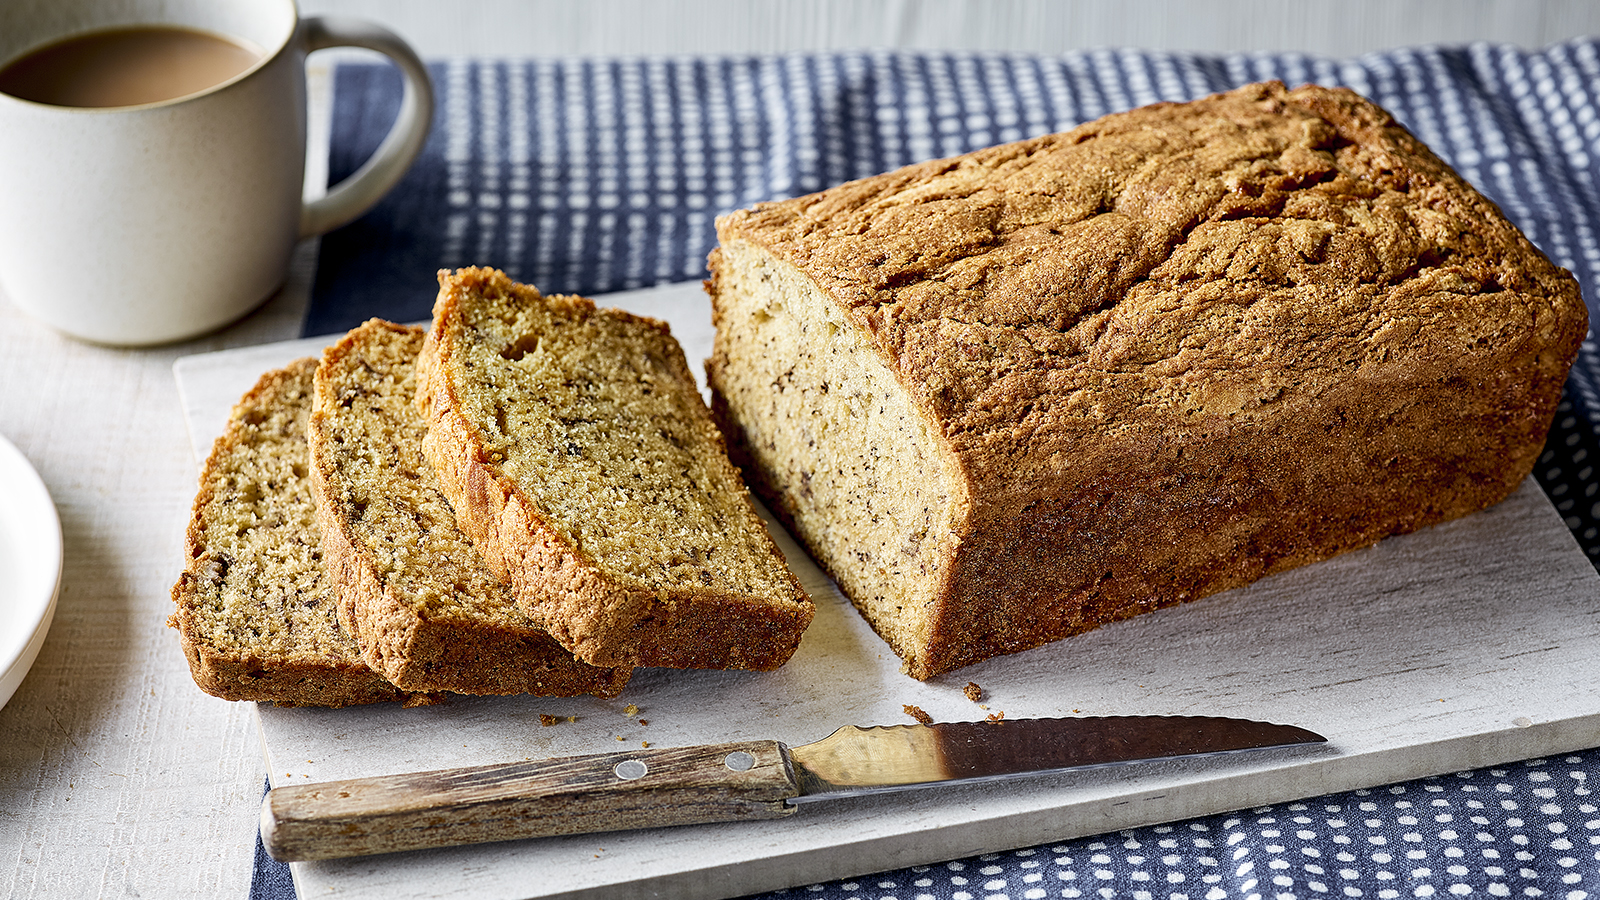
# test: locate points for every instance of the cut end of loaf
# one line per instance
(581, 460)
(836, 443)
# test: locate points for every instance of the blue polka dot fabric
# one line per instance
(1528, 830)
(597, 175)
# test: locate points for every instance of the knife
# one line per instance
(719, 782)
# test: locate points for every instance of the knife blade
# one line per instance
(745, 780)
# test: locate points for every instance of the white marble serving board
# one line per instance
(1467, 645)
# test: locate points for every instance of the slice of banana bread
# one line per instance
(579, 456)
(256, 615)
(417, 596)
(1018, 394)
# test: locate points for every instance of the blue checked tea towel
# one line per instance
(597, 175)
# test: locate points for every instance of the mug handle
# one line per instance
(356, 194)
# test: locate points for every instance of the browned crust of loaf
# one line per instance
(602, 623)
(313, 683)
(432, 654)
(1093, 500)
(323, 681)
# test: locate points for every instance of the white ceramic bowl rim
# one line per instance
(30, 557)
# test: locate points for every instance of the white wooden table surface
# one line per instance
(117, 776)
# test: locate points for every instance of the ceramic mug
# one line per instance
(139, 225)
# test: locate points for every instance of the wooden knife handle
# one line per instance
(572, 795)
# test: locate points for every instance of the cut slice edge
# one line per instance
(606, 614)
(249, 629)
(425, 610)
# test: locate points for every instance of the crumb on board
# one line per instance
(547, 720)
(917, 713)
(630, 710)
(645, 744)
(996, 716)
(644, 721)
(621, 738)
(973, 692)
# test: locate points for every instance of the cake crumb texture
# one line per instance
(255, 612)
(581, 460)
(423, 606)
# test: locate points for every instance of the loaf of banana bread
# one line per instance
(1014, 395)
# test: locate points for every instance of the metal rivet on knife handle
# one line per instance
(629, 769)
(739, 761)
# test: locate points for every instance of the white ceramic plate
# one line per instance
(30, 566)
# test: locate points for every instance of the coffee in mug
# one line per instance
(126, 67)
(144, 203)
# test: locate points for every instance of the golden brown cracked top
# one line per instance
(1182, 254)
